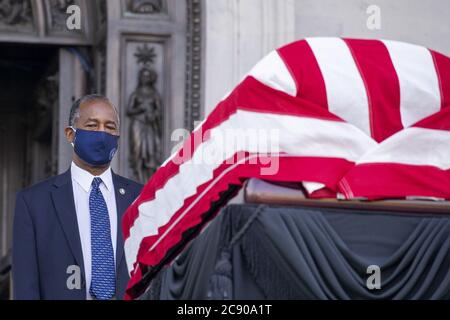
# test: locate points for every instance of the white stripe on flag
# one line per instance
(413, 146)
(419, 86)
(346, 92)
(272, 71)
(297, 136)
(312, 186)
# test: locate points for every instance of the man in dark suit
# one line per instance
(67, 239)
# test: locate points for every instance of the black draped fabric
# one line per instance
(279, 252)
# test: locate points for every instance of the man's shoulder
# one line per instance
(135, 185)
(41, 187)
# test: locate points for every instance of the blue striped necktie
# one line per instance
(103, 282)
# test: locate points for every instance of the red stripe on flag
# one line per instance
(391, 180)
(325, 170)
(250, 95)
(301, 62)
(442, 64)
(373, 180)
(438, 121)
(382, 85)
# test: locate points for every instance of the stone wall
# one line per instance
(239, 33)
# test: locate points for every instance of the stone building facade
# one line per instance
(174, 58)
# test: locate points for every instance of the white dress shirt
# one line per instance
(81, 183)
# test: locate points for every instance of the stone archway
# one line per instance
(163, 37)
(44, 21)
(111, 31)
(100, 57)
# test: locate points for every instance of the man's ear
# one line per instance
(70, 134)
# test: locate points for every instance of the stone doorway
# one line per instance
(28, 99)
(117, 40)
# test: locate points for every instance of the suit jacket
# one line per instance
(47, 252)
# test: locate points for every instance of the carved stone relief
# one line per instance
(16, 15)
(58, 13)
(57, 17)
(45, 21)
(102, 12)
(145, 6)
(193, 110)
(100, 53)
(46, 97)
(42, 123)
(145, 114)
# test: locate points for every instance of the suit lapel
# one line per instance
(64, 203)
(63, 200)
(124, 198)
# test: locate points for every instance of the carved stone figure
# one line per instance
(46, 96)
(146, 120)
(102, 12)
(145, 6)
(192, 111)
(42, 126)
(58, 10)
(15, 12)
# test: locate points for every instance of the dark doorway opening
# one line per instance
(28, 106)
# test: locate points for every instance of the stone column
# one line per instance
(238, 33)
(151, 36)
(72, 84)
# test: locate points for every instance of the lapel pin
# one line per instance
(122, 191)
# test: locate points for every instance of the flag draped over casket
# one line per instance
(346, 117)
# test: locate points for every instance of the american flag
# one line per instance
(353, 118)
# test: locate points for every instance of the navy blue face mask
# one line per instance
(96, 148)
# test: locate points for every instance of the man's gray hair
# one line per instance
(75, 109)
